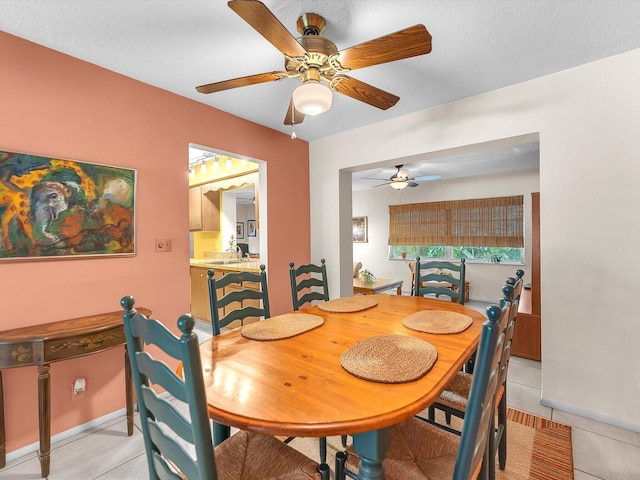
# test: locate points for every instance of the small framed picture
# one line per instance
(239, 229)
(251, 228)
(360, 230)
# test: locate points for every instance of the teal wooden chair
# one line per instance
(440, 278)
(517, 284)
(308, 283)
(177, 433)
(421, 450)
(454, 399)
(240, 295)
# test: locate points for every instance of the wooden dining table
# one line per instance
(296, 387)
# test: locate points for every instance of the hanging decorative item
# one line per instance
(52, 208)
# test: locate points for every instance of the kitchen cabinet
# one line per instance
(195, 208)
(204, 208)
(200, 292)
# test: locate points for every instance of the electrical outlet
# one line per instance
(78, 390)
(163, 244)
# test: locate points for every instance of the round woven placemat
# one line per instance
(282, 326)
(389, 359)
(348, 304)
(437, 321)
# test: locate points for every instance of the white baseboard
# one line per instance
(590, 415)
(96, 422)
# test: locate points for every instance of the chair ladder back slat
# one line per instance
(162, 375)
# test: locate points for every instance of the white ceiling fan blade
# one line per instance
(424, 178)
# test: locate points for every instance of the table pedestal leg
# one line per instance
(220, 433)
(128, 380)
(371, 448)
(3, 450)
(44, 414)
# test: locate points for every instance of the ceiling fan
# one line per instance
(401, 179)
(318, 64)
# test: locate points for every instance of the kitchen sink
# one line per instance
(216, 261)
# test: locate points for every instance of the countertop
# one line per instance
(249, 266)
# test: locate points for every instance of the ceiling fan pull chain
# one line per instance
(293, 124)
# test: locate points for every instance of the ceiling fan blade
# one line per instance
(412, 184)
(241, 82)
(424, 178)
(370, 178)
(266, 24)
(406, 43)
(298, 117)
(364, 92)
(382, 184)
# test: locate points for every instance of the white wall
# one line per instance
(588, 119)
(486, 279)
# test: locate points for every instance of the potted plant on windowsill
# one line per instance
(367, 276)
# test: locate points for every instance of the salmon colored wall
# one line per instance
(58, 106)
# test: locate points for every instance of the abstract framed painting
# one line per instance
(57, 208)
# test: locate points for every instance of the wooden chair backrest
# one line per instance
(239, 293)
(164, 452)
(478, 418)
(308, 283)
(446, 272)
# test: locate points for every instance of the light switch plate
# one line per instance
(163, 244)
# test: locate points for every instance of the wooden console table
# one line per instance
(40, 345)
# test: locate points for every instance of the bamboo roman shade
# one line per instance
(481, 222)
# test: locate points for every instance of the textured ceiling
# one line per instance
(478, 46)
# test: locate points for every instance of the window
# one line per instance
(485, 229)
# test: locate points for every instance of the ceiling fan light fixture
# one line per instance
(312, 98)
(399, 185)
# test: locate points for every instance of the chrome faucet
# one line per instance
(239, 253)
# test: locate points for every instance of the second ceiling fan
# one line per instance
(318, 64)
(401, 179)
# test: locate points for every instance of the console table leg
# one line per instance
(44, 411)
(3, 444)
(128, 391)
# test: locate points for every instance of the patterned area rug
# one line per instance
(537, 449)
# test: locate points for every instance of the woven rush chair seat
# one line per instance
(418, 451)
(253, 456)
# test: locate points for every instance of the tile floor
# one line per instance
(105, 452)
